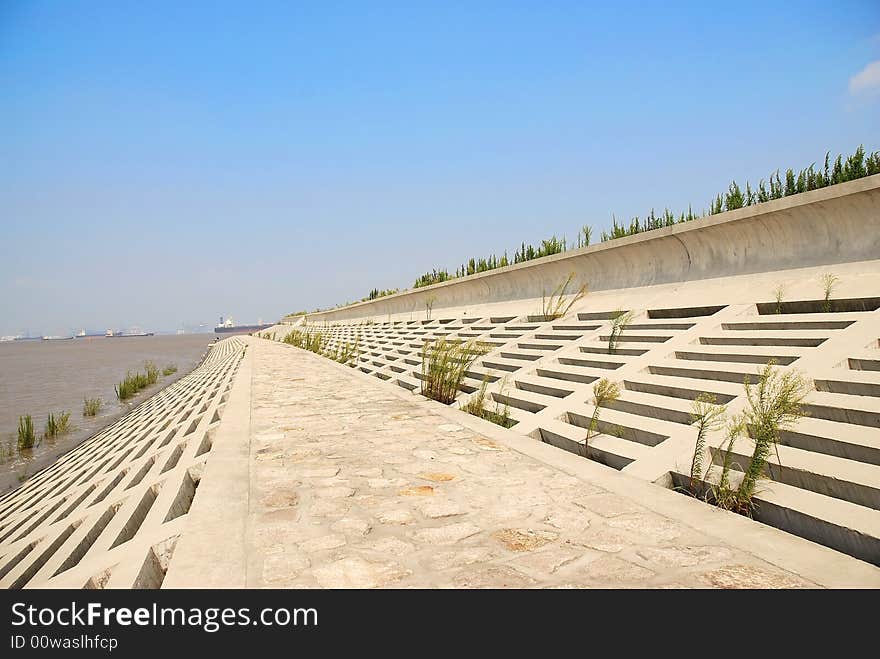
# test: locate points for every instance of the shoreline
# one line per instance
(11, 471)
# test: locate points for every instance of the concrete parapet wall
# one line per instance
(834, 225)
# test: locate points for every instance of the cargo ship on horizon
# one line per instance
(228, 327)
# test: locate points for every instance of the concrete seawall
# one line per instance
(834, 225)
(270, 466)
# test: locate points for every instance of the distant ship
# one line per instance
(229, 327)
(134, 331)
(57, 338)
(82, 334)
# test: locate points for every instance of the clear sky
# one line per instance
(163, 164)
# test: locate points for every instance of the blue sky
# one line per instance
(162, 164)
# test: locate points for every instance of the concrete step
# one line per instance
(844, 408)
(654, 406)
(865, 361)
(685, 312)
(569, 374)
(852, 309)
(605, 449)
(478, 374)
(557, 336)
(635, 336)
(541, 385)
(731, 372)
(532, 344)
(856, 482)
(523, 355)
(802, 340)
(787, 325)
(841, 525)
(600, 315)
(501, 364)
(754, 355)
(659, 325)
(605, 364)
(522, 399)
(857, 383)
(682, 387)
(580, 328)
(603, 350)
(626, 425)
(833, 438)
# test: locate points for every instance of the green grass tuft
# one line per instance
(829, 283)
(604, 391)
(619, 323)
(57, 424)
(706, 416)
(26, 436)
(559, 304)
(91, 406)
(477, 406)
(135, 382)
(444, 364)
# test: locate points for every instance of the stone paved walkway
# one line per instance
(354, 486)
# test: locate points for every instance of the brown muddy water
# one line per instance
(38, 377)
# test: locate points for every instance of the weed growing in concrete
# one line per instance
(722, 493)
(429, 306)
(774, 404)
(346, 353)
(706, 416)
(829, 283)
(170, 369)
(26, 436)
(477, 406)
(619, 323)
(558, 304)
(779, 293)
(604, 391)
(91, 406)
(444, 364)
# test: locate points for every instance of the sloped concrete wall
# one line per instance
(834, 225)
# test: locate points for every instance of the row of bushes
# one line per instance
(834, 171)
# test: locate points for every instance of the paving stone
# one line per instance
(496, 576)
(524, 539)
(649, 525)
(685, 556)
(330, 541)
(352, 526)
(435, 509)
(356, 572)
(444, 535)
(601, 539)
(615, 571)
(748, 576)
